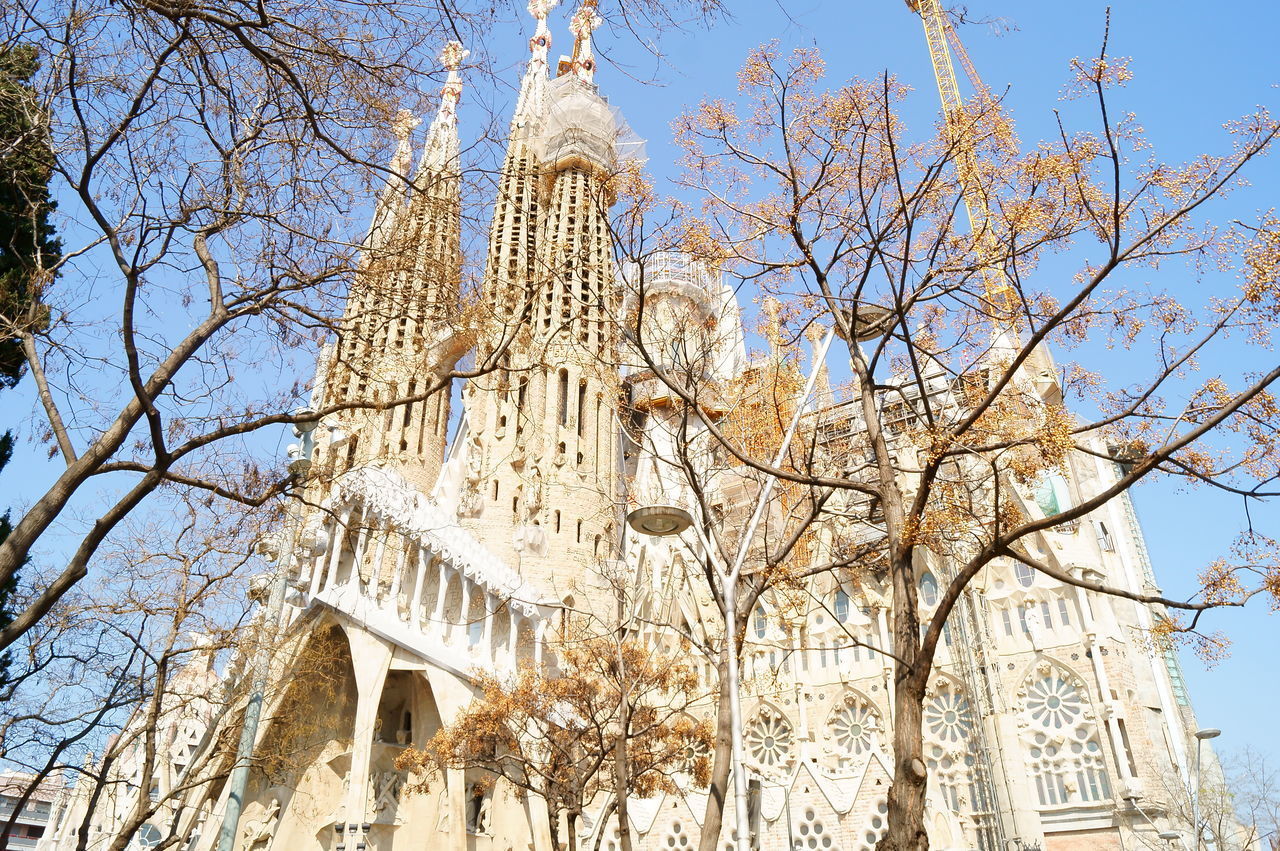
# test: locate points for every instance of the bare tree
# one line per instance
(211, 163)
(955, 418)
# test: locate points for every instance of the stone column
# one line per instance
(538, 632)
(370, 657)
(486, 640)
(326, 573)
(456, 791)
(442, 590)
(464, 615)
(419, 574)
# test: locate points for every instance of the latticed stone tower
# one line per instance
(542, 444)
(399, 334)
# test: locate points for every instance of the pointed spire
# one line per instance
(541, 41)
(391, 200)
(585, 22)
(534, 85)
(442, 139)
(772, 310)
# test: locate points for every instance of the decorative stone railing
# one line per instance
(391, 560)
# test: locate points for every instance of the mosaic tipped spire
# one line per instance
(585, 22)
(442, 140)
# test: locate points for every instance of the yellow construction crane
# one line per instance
(938, 32)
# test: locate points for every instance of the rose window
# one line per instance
(948, 718)
(769, 739)
(852, 726)
(1053, 703)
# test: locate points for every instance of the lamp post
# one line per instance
(661, 518)
(299, 466)
(1201, 735)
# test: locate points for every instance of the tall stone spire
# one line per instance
(542, 449)
(391, 200)
(396, 337)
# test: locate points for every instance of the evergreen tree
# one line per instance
(28, 248)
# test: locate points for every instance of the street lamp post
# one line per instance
(299, 466)
(658, 521)
(1201, 735)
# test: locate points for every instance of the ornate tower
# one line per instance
(396, 338)
(541, 463)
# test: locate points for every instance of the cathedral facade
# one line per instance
(1051, 722)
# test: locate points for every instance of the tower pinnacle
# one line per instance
(442, 139)
(534, 85)
(585, 22)
(541, 41)
(391, 200)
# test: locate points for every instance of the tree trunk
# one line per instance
(721, 761)
(621, 774)
(910, 774)
(553, 827)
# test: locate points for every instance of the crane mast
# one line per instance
(937, 32)
(973, 663)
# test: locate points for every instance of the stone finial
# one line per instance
(451, 57)
(585, 22)
(540, 43)
(403, 128)
(772, 309)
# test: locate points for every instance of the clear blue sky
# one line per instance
(1197, 66)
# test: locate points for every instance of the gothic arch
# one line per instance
(1060, 739)
(852, 728)
(770, 739)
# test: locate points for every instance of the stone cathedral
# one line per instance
(448, 542)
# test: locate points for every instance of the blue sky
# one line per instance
(1196, 66)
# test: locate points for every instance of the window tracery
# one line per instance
(677, 838)
(1064, 753)
(770, 739)
(876, 827)
(851, 728)
(811, 833)
(949, 727)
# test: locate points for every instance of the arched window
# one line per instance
(148, 836)
(1025, 575)
(769, 739)
(841, 605)
(1065, 756)
(928, 589)
(760, 622)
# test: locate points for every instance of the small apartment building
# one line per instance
(35, 816)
